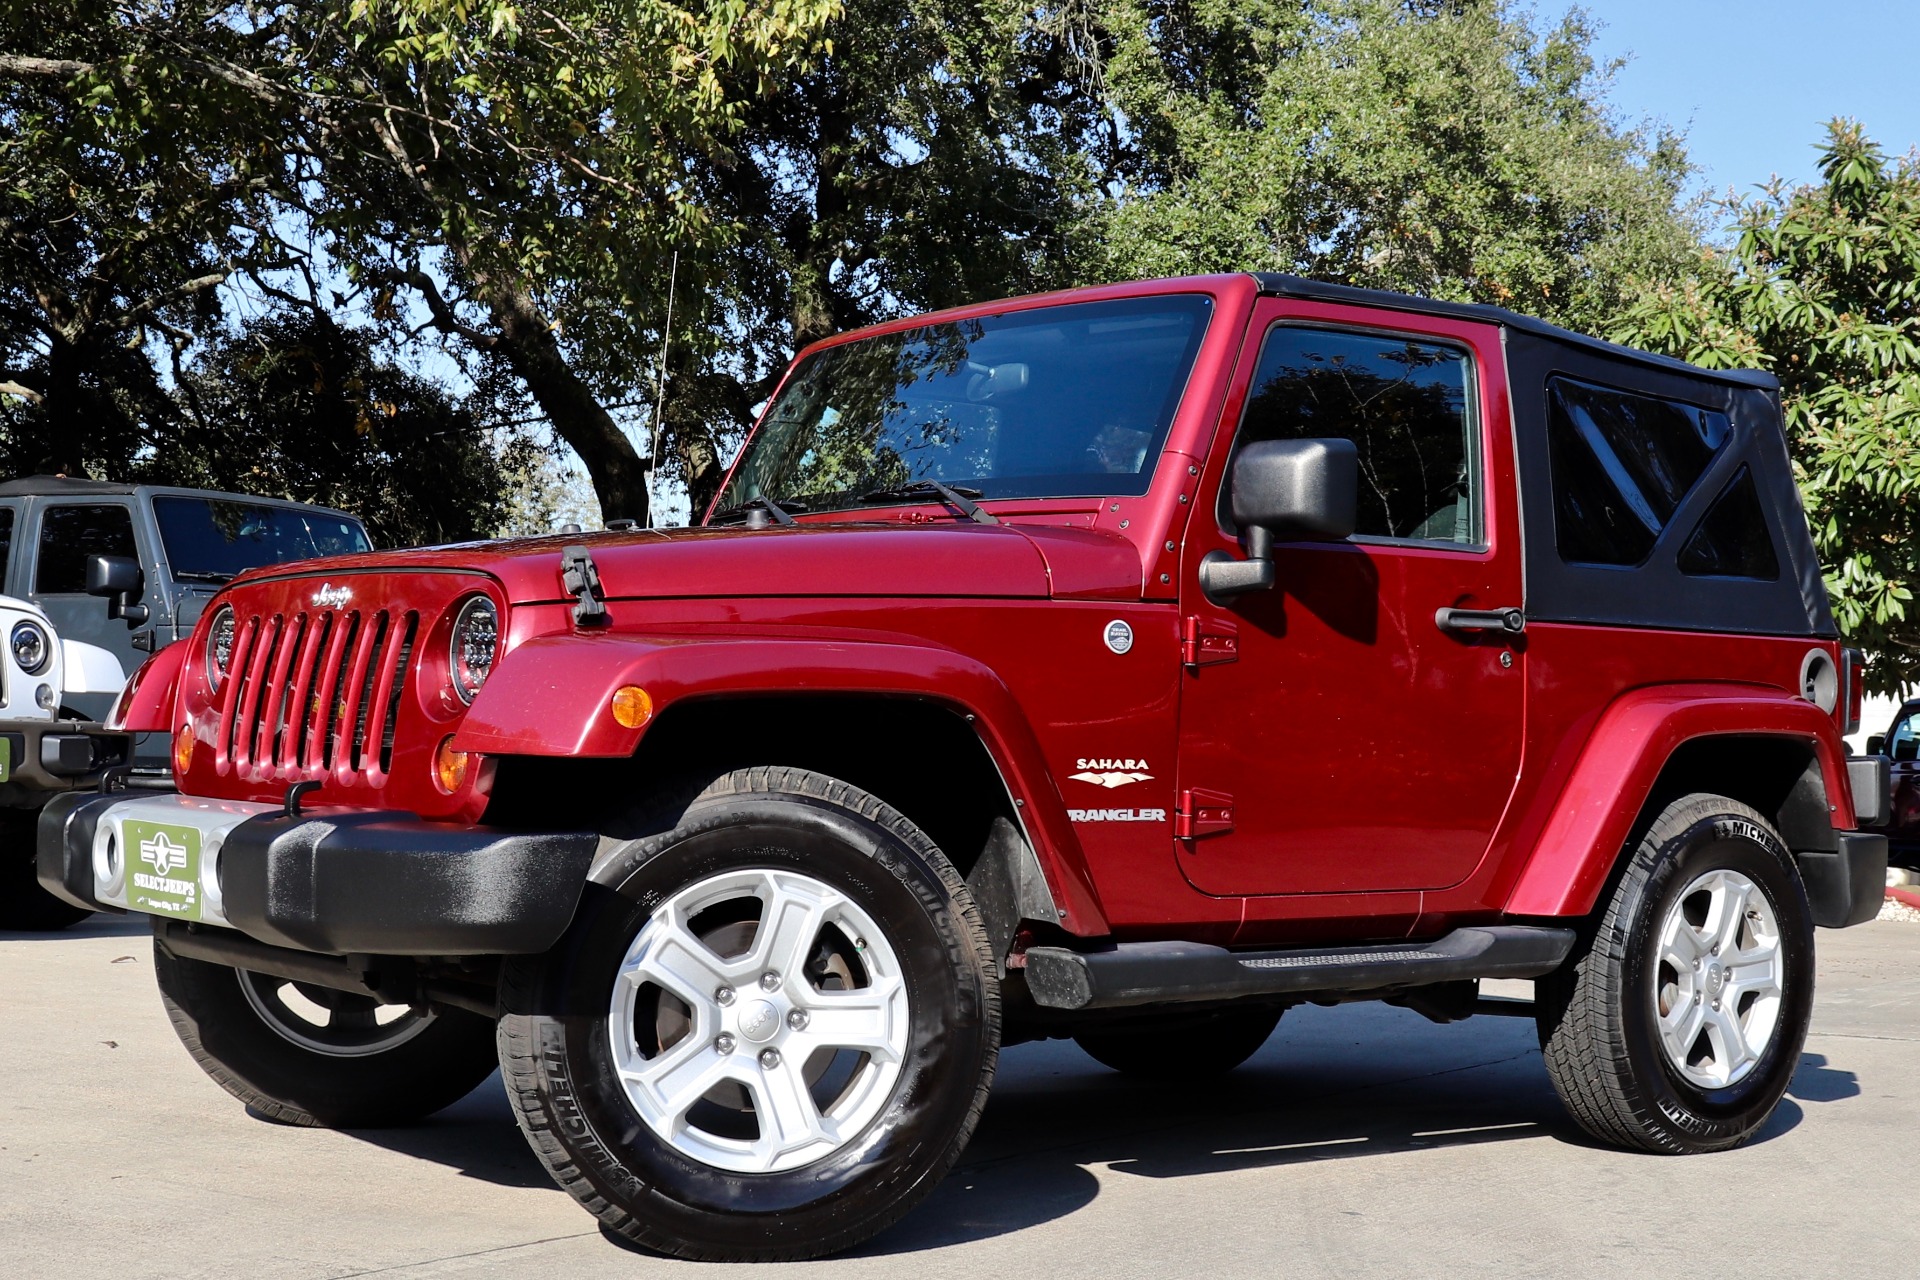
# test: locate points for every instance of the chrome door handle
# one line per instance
(1510, 621)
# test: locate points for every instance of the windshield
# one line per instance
(1066, 401)
(210, 540)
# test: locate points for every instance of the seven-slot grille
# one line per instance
(312, 695)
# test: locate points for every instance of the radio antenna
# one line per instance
(660, 398)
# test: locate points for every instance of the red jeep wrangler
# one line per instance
(1128, 664)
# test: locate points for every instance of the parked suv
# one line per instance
(174, 547)
(1128, 664)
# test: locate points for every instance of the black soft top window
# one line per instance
(1732, 539)
(1621, 464)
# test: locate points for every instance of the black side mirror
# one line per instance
(1294, 489)
(120, 581)
(1877, 744)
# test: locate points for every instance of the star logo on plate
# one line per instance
(162, 854)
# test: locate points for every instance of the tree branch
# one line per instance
(20, 65)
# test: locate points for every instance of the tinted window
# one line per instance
(1904, 742)
(1621, 464)
(210, 541)
(68, 535)
(1732, 540)
(1056, 401)
(6, 537)
(1403, 403)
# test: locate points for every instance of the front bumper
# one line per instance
(59, 755)
(337, 882)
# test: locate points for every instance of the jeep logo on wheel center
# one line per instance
(766, 835)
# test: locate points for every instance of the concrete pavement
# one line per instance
(1362, 1141)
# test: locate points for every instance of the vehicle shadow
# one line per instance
(102, 924)
(476, 1136)
(1364, 1080)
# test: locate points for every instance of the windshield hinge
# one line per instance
(1200, 813)
(582, 581)
(1206, 641)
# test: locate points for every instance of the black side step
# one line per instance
(1177, 972)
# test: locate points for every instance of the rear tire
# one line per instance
(772, 1036)
(1678, 1024)
(1174, 1047)
(24, 905)
(305, 1055)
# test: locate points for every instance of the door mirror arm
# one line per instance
(1222, 577)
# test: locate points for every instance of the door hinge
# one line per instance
(1206, 641)
(1201, 813)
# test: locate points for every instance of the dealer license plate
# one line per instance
(163, 868)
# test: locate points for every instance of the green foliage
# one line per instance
(515, 181)
(1821, 285)
(1439, 148)
(296, 406)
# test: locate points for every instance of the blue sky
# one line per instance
(1752, 82)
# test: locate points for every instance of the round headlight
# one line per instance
(32, 650)
(219, 647)
(475, 644)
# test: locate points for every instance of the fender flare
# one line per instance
(1586, 831)
(145, 705)
(552, 696)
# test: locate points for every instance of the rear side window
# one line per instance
(1621, 465)
(1406, 404)
(1732, 540)
(69, 534)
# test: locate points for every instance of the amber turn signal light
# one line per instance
(183, 749)
(450, 766)
(632, 706)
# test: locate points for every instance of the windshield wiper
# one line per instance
(201, 575)
(778, 508)
(961, 500)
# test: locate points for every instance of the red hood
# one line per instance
(811, 559)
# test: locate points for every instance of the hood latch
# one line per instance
(582, 581)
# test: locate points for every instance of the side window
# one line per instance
(1904, 742)
(69, 534)
(6, 538)
(1405, 404)
(1732, 540)
(1621, 465)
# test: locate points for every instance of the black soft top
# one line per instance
(1654, 593)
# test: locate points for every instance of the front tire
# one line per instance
(771, 1037)
(305, 1055)
(1679, 1026)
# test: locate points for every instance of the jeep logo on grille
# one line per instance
(330, 596)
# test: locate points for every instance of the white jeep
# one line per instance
(45, 747)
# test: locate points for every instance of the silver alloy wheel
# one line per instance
(768, 1040)
(1719, 979)
(336, 1024)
